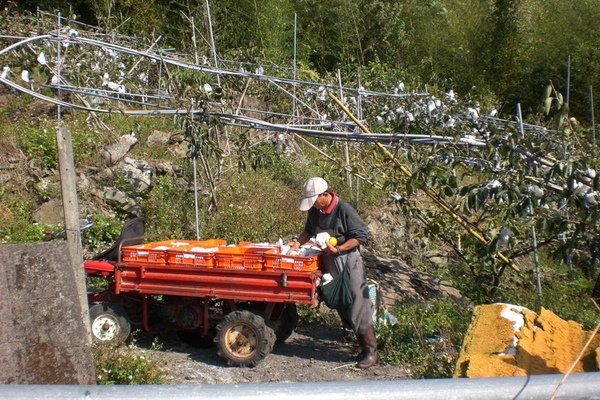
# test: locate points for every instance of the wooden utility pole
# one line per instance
(68, 184)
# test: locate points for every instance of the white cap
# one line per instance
(311, 190)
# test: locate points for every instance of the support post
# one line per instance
(68, 184)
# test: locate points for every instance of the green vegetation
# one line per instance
(501, 47)
(427, 339)
(493, 54)
(120, 365)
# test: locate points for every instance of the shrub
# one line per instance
(124, 365)
(426, 340)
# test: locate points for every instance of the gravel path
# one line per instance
(311, 354)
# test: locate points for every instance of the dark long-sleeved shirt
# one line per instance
(348, 223)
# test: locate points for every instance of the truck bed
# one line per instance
(217, 283)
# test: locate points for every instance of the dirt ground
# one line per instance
(316, 353)
(311, 354)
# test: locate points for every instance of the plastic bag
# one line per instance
(337, 293)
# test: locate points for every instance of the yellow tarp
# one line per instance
(508, 340)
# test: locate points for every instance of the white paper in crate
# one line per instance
(321, 239)
(306, 250)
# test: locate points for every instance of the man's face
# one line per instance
(322, 201)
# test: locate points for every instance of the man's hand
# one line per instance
(294, 246)
(331, 249)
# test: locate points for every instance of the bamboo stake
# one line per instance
(346, 152)
(141, 57)
(445, 207)
(194, 41)
(585, 346)
(330, 158)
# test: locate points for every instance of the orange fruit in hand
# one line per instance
(332, 241)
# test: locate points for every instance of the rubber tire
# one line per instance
(286, 324)
(244, 338)
(109, 323)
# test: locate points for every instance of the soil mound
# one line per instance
(508, 340)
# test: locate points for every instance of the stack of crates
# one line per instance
(151, 253)
(275, 261)
(240, 257)
(215, 253)
(197, 253)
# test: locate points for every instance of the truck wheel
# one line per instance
(243, 338)
(109, 323)
(285, 325)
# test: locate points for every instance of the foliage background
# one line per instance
(493, 54)
(502, 47)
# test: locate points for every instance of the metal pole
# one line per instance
(568, 79)
(195, 164)
(58, 71)
(357, 193)
(294, 66)
(520, 117)
(214, 49)
(593, 124)
(533, 237)
(537, 264)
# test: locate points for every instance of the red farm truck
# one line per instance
(244, 297)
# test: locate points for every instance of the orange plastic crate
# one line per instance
(153, 253)
(239, 258)
(199, 253)
(275, 261)
(254, 245)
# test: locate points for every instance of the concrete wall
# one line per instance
(43, 330)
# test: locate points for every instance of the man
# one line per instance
(328, 213)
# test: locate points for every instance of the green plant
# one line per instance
(255, 207)
(317, 316)
(427, 338)
(169, 209)
(15, 220)
(125, 365)
(564, 291)
(102, 234)
(40, 143)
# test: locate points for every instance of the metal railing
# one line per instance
(577, 386)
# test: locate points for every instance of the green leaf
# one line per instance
(548, 91)
(542, 225)
(476, 203)
(559, 99)
(548, 105)
(448, 191)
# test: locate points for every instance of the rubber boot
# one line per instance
(361, 344)
(369, 343)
